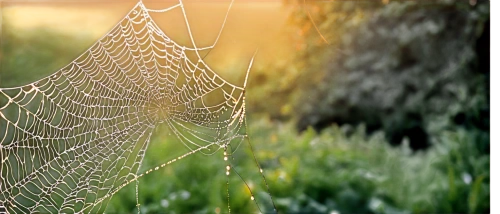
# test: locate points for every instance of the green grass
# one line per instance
(314, 172)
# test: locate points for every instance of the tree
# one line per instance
(404, 69)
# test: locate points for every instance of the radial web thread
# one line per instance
(69, 141)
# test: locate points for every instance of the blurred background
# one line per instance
(353, 106)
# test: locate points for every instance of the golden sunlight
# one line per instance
(250, 26)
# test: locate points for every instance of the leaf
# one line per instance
(452, 193)
(474, 193)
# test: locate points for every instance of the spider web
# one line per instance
(70, 141)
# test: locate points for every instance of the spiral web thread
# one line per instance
(70, 141)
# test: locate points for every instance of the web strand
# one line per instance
(70, 141)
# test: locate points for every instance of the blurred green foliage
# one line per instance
(29, 55)
(411, 69)
(341, 169)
